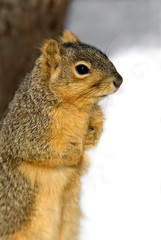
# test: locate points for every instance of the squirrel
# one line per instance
(52, 120)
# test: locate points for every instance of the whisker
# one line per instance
(108, 50)
(92, 92)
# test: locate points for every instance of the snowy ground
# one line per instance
(121, 194)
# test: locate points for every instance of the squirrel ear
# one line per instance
(51, 52)
(51, 58)
(69, 37)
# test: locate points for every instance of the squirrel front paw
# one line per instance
(92, 137)
(95, 127)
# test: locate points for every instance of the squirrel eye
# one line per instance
(82, 69)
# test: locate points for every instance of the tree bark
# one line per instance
(23, 27)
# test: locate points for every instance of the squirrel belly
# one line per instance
(52, 120)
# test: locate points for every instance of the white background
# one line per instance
(121, 194)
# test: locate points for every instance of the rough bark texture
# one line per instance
(23, 27)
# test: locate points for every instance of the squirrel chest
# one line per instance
(53, 184)
(69, 126)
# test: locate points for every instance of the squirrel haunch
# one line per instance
(53, 118)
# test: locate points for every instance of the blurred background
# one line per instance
(121, 194)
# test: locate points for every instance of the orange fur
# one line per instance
(57, 212)
(69, 37)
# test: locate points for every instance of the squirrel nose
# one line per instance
(118, 81)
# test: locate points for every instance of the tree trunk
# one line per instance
(23, 27)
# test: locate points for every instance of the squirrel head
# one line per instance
(77, 72)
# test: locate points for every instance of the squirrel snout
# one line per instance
(117, 81)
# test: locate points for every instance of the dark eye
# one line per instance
(82, 69)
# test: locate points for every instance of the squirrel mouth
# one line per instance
(103, 96)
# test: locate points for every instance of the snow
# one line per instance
(121, 193)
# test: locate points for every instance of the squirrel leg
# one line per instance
(70, 210)
(95, 127)
(69, 228)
